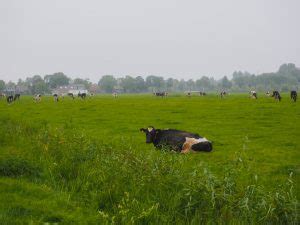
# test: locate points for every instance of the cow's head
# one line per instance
(150, 133)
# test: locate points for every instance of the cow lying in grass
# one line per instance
(177, 140)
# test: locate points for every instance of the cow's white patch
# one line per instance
(189, 142)
(150, 129)
(195, 140)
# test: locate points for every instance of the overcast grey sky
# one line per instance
(171, 38)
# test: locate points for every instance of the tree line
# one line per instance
(286, 78)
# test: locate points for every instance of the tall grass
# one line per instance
(85, 180)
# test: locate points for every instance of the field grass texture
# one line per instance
(85, 161)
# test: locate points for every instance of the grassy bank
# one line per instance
(85, 161)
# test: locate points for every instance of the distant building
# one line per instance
(9, 90)
(21, 89)
(75, 89)
(94, 88)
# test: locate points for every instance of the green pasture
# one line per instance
(85, 161)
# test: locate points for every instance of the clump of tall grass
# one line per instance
(119, 183)
(14, 166)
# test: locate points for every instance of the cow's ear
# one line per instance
(143, 130)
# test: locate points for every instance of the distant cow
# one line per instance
(294, 95)
(37, 98)
(55, 96)
(276, 95)
(71, 95)
(253, 94)
(82, 95)
(115, 94)
(17, 97)
(10, 99)
(180, 141)
(160, 94)
(223, 94)
(201, 93)
(268, 94)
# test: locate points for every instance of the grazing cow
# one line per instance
(276, 95)
(160, 94)
(294, 95)
(71, 95)
(82, 95)
(223, 93)
(17, 97)
(37, 98)
(10, 99)
(55, 96)
(180, 141)
(253, 94)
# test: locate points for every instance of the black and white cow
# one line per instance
(10, 99)
(55, 96)
(37, 98)
(253, 94)
(160, 94)
(294, 95)
(223, 94)
(176, 140)
(71, 95)
(17, 97)
(276, 95)
(82, 95)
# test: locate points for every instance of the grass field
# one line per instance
(85, 161)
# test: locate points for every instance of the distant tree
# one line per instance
(225, 83)
(36, 85)
(140, 84)
(129, 84)
(289, 70)
(155, 83)
(169, 83)
(190, 84)
(39, 87)
(182, 85)
(10, 84)
(203, 84)
(85, 82)
(107, 83)
(2, 85)
(56, 80)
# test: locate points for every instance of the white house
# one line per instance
(75, 89)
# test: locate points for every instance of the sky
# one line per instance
(169, 38)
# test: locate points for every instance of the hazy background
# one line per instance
(179, 39)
